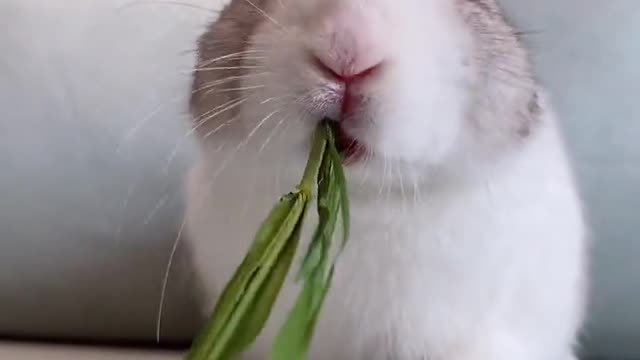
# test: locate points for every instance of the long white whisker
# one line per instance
(282, 159)
(125, 205)
(165, 280)
(182, 226)
(390, 185)
(161, 202)
(224, 163)
(255, 176)
(253, 87)
(226, 80)
(133, 132)
(264, 14)
(240, 58)
(228, 122)
(415, 191)
(384, 175)
(135, 129)
(203, 118)
(230, 56)
(256, 128)
(219, 127)
(270, 99)
(272, 133)
(174, 152)
(402, 191)
(166, 2)
(240, 67)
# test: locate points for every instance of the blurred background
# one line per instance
(92, 154)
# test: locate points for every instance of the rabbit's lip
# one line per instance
(349, 147)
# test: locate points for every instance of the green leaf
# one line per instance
(295, 336)
(234, 289)
(314, 162)
(342, 186)
(294, 341)
(246, 302)
(255, 320)
(291, 343)
(247, 299)
(327, 207)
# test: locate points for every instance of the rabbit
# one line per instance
(468, 239)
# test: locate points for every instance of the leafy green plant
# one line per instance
(246, 302)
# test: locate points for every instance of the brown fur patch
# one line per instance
(504, 66)
(221, 46)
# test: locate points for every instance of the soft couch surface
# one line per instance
(36, 351)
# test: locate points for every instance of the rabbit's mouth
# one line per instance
(349, 147)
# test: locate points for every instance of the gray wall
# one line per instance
(587, 53)
(91, 117)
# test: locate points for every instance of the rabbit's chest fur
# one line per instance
(488, 271)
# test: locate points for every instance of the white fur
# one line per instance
(455, 254)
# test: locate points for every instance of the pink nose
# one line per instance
(349, 47)
(350, 100)
(346, 75)
(350, 43)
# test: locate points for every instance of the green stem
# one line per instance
(312, 168)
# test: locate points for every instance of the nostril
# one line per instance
(349, 74)
(325, 69)
(365, 73)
